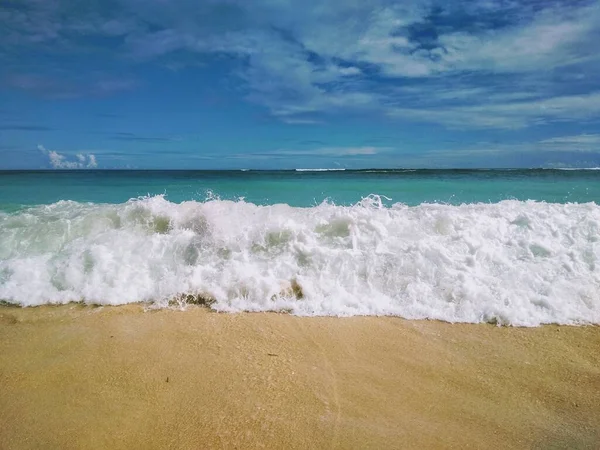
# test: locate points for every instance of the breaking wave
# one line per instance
(319, 170)
(513, 262)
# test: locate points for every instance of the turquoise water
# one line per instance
(301, 188)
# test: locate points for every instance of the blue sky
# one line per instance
(283, 84)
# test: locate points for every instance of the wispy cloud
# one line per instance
(334, 151)
(582, 143)
(592, 139)
(299, 121)
(66, 86)
(62, 161)
(314, 66)
(509, 114)
(135, 137)
(494, 154)
(477, 64)
(315, 153)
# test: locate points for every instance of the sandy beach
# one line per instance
(122, 377)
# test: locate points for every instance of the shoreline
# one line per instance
(77, 376)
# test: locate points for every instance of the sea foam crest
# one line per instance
(519, 263)
(320, 170)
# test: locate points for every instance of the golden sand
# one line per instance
(121, 377)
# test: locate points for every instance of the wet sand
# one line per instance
(122, 378)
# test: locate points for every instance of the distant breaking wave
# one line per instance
(577, 168)
(517, 263)
(388, 171)
(319, 170)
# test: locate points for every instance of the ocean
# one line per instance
(515, 247)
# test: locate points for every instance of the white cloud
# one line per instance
(508, 115)
(494, 154)
(316, 152)
(588, 144)
(299, 121)
(556, 37)
(61, 161)
(282, 77)
(582, 143)
(92, 163)
(593, 139)
(302, 58)
(335, 151)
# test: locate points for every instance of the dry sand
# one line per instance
(119, 377)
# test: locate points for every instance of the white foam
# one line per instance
(578, 168)
(320, 170)
(519, 263)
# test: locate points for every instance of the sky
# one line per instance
(281, 84)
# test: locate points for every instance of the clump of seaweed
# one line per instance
(7, 304)
(297, 289)
(291, 290)
(198, 299)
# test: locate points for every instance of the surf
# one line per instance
(521, 263)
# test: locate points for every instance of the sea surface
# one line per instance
(515, 247)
